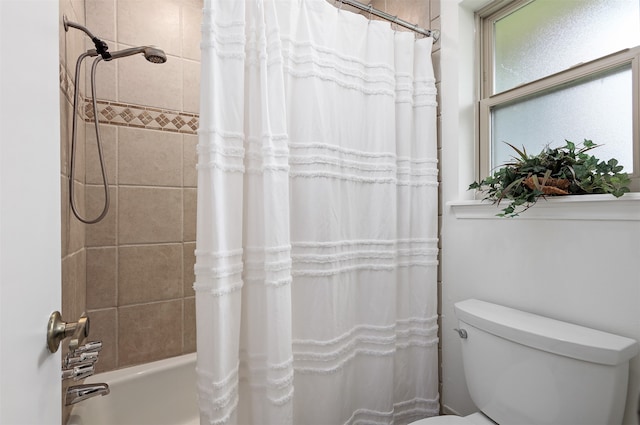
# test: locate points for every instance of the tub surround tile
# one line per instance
(149, 273)
(189, 343)
(65, 126)
(106, 80)
(189, 214)
(76, 228)
(435, 25)
(191, 3)
(101, 278)
(81, 283)
(79, 8)
(80, 163)
(188, 275)
(438, 100)
(191, 86)
(149, 215)
(102, 233)
(108, 138)
(190, 160)
(143, 83)
(191, 25)
(150, 158)
(104, 328)
(64, 215)
(69, 281)
(101, 18)
(413, 11)
(149, 332)
(435, 8)
(74, 284)
(66, 86)
(436, 57)
(150, 22)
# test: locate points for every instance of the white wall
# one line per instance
(29, 210)
(571, 262)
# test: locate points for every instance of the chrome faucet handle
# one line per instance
(89, 357)
(79, 372)
(93, 346)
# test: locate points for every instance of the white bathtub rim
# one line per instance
(114, 377)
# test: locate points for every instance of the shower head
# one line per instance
(152, 54)
(155, 55)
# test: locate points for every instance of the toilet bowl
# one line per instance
(522, 368)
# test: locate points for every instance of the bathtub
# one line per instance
(158, 393)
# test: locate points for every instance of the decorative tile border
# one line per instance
(116, 113)
(66, 83)
(129, 115)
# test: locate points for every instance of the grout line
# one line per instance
(168, 300)
(141, 186)
(140, 244)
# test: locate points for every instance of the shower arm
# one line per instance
(101, 47)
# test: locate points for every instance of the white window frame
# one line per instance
(486, 18)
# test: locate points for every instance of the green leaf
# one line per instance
(570, 145)
(523, 153)
(585, 174)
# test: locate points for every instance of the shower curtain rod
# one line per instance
(435, 34)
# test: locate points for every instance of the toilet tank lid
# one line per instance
(543, 333)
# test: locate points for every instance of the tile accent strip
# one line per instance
(116, 113)
(129, 115)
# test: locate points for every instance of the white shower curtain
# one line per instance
(316, 248)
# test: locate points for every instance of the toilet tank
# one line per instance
(522, 368)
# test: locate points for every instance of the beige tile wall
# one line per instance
(133, 271)
(140, 260)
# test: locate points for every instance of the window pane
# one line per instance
(548, 36)
(598, 108)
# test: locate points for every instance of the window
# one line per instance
(555, 70)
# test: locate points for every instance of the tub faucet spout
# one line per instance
(78, 393)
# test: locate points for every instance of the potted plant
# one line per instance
(566, 170)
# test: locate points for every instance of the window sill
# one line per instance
(575, 207)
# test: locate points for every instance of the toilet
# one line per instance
(522, 368)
